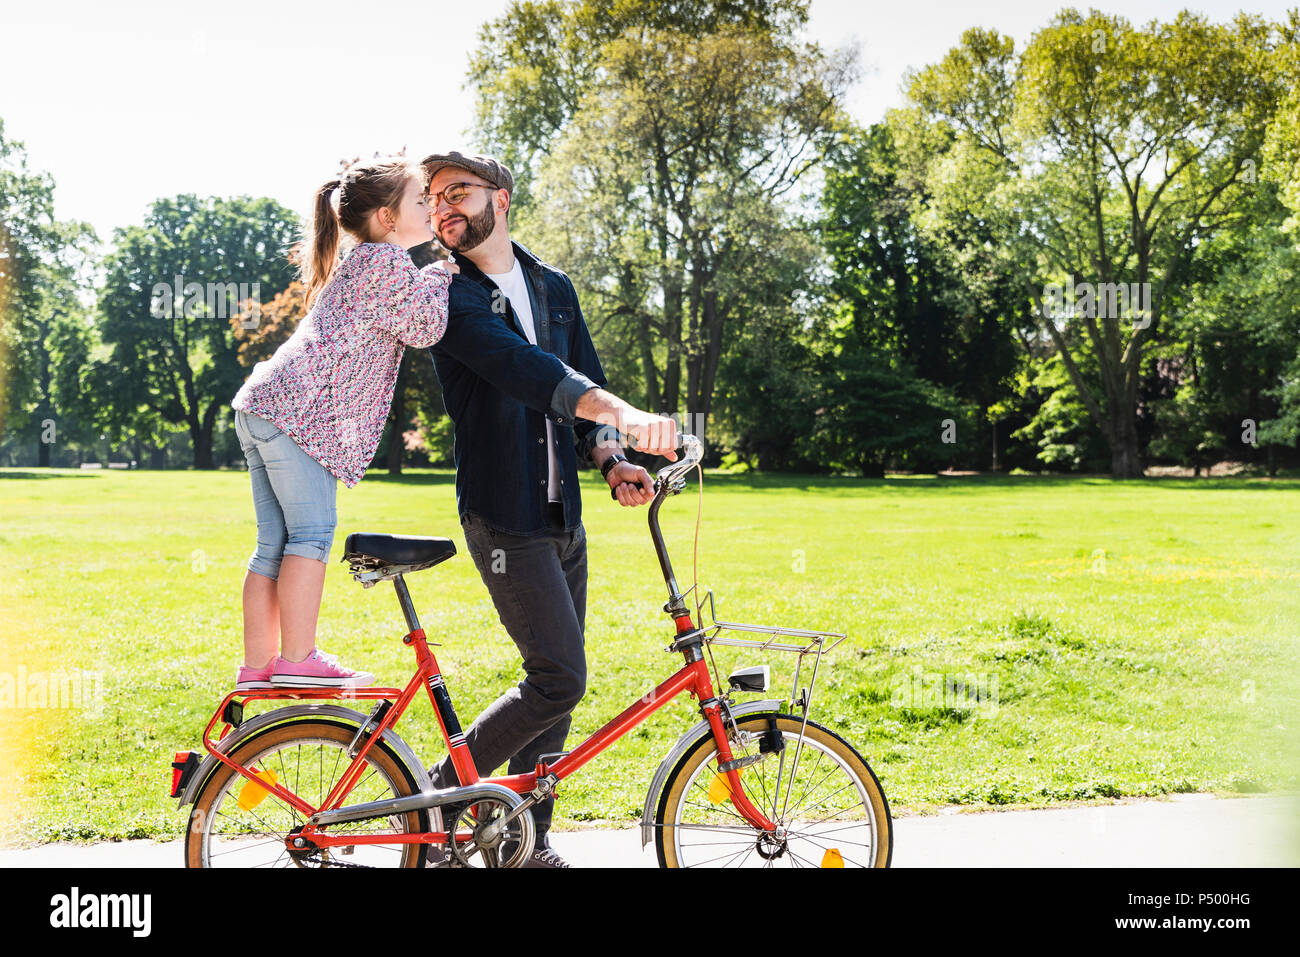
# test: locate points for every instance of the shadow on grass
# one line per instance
(10, 474)
(412, 478)
(808, 482)
(921, 484)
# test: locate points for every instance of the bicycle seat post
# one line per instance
(408, 608)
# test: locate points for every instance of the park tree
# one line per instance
(932, 305)
(1233, 332)
(1282, 168)
(171, 286)
(1105, 153)
(45, 335)
(667, 191)
(533, 65)
(259, 328)
(1282, 146)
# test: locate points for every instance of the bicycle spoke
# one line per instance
(719, 808)
(729, 856)
(843, 787)
(798, 857)
(835, 814)
(824, 785)
(235, 850)
(835, 847)
(820, 754)
(236, 835)
(826, 835)
(726, 828)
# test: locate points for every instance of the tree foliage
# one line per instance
(171, 286)
(44, 330)
(1105, 153)
(661, 169)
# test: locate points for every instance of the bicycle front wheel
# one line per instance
(237, 823)
(828, 806)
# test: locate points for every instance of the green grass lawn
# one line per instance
(1135, 638)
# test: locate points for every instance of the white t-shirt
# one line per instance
(515, 288)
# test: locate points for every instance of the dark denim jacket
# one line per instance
(499, 389)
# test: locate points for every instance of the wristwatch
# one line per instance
(609, 463)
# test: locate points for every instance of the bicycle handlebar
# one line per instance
(669, 481)
(673, 472)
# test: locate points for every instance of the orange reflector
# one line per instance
(719, 789)
(832, 858)
(252, 794)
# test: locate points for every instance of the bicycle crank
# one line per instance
(499, 838)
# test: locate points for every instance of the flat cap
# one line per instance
(487, 167)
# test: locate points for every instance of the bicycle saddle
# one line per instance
(370, 551)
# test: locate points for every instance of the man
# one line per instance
(523, 386)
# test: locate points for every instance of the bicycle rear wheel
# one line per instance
(830, 806)
(235, 823)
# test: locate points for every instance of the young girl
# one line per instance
(313, 413)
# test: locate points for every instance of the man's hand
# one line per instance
(632, 484)
(655, 434)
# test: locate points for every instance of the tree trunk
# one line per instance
(645, 344)
(993, 428)
(648, 368)
(714, 317)
(201, 434)
(203, 450)
(673, 334)
(1125, 460)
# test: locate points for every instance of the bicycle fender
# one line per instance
(684, 744)
(300, 712)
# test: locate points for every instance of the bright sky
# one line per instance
(126, 102)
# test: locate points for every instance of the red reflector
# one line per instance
(184, 760)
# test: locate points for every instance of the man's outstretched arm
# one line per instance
(645, 432)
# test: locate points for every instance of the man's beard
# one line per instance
(477, 229)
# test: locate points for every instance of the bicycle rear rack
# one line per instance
(816, 640)
(810, 642)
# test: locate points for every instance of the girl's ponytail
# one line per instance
(363, 188)
(321, 244)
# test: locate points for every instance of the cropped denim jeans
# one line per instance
(293, 497)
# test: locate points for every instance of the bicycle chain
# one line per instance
(315, 858)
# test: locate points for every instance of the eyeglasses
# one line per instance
(453, 194)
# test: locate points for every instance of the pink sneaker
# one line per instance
(317, 670)
(253, 679)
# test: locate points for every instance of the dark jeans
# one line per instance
(539, 586)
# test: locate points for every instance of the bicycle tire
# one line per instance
(223, 782)
(681, 810)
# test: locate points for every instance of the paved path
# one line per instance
(1187, 831)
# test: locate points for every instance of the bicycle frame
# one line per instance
(693, 678)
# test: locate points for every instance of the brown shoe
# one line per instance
(546, 857)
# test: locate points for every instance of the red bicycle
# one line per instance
(318, 784)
